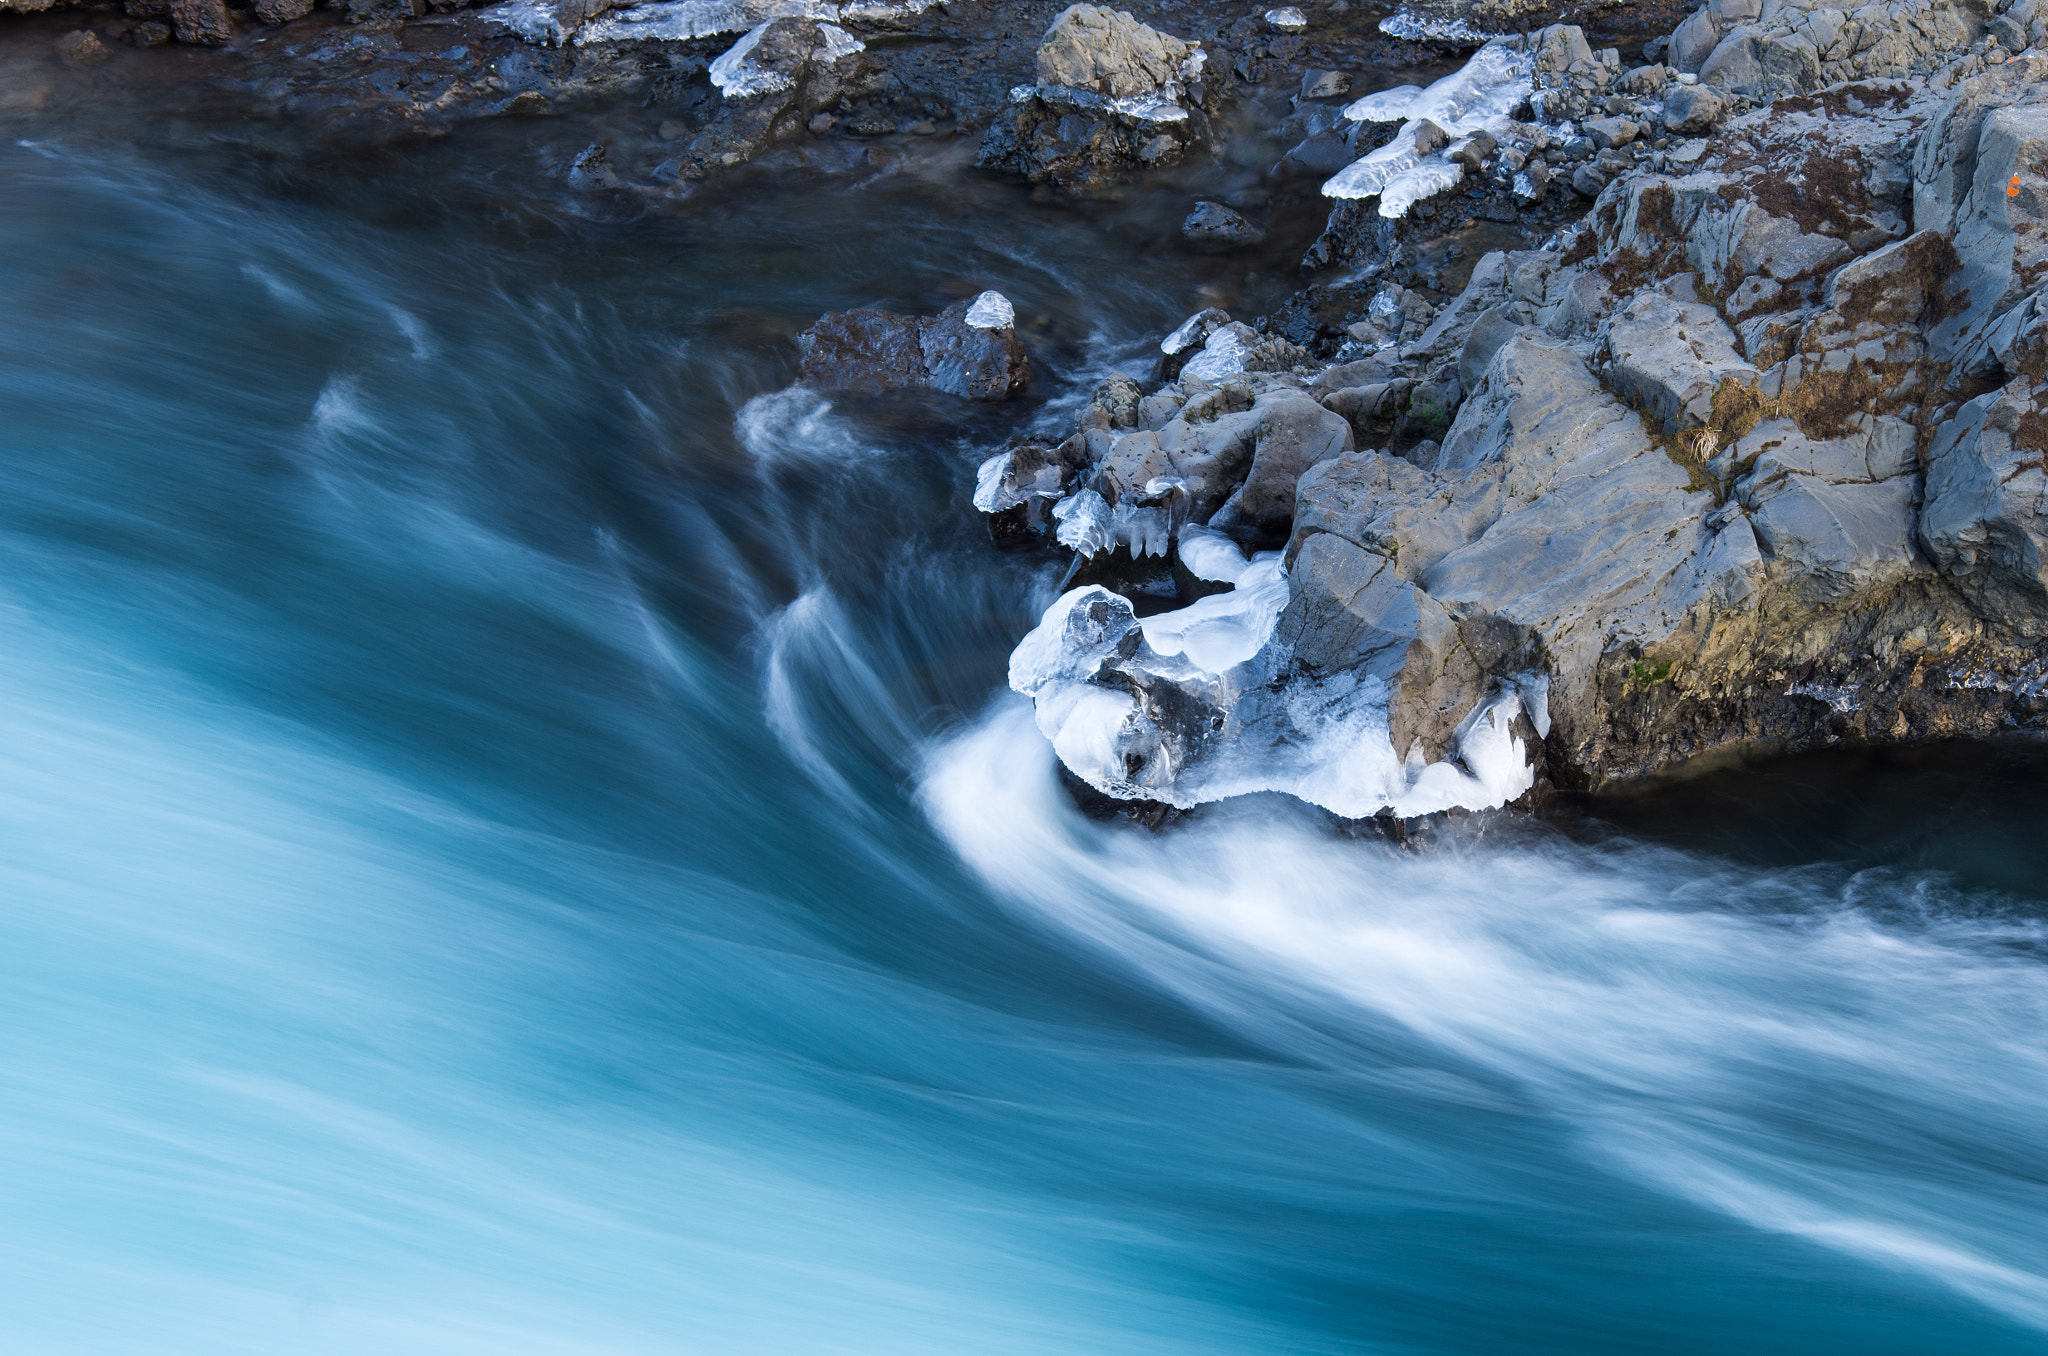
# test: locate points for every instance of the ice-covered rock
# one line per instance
(1204, 702)
(743, 71)
(594, 22)
(991, 311)
(1112, 95)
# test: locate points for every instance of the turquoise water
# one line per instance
(514, 844)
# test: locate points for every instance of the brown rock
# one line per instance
(282, 11)
(81, 48)
(876, 351)
(204, 23)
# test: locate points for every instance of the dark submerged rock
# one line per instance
(870, 352)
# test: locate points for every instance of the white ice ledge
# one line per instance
(682, 20)
(1480, 96)
(1271, 728)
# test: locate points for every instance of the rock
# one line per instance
(1353, 614)
(1690, 110)
(202, 22)
(1754, 456)
(1832, 528)
(282, 11)
(774, 80)
(1693, 41)
(1214, 228)
(1321, 155)
(591, 168)
(1494, 328)
(1607, 132)
(81, 47)
(1796, 49)
(1986, 520)
(394, 11)
(1473, 151)
(1587, 181)
(1670, 358)
(1286, 20)
(969, 350)
(1109, 53)
(1320, 84)
(1079, 141)
(150, 33)
(1293, 433)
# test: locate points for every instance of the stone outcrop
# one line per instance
(1767, 49)
(1109, 53)
(1112, 95)
(1753, 457)
(970, 349)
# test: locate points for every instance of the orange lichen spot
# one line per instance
(2012, 187)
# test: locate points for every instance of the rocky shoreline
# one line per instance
(1748, 458)
(1650, 398)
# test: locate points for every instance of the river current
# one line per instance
(516, 843)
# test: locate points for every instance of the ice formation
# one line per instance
(992, 311)
(1287, 20)
(1194, 331)
(1478, 97)
(1409, 26)
(682, 20)
(991, 495)
(1202, 703)
(1223, 353)
(738, 76)
(533, 20)
(1084, 523)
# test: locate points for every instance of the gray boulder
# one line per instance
(1691, 110)
(1108, 52)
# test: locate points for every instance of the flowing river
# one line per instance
(516, 842)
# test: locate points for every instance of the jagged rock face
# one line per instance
(1755, 456)
(969, 349)
(1767, 49)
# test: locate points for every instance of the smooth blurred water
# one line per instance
(513, 844)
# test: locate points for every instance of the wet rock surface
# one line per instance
(970, 349)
